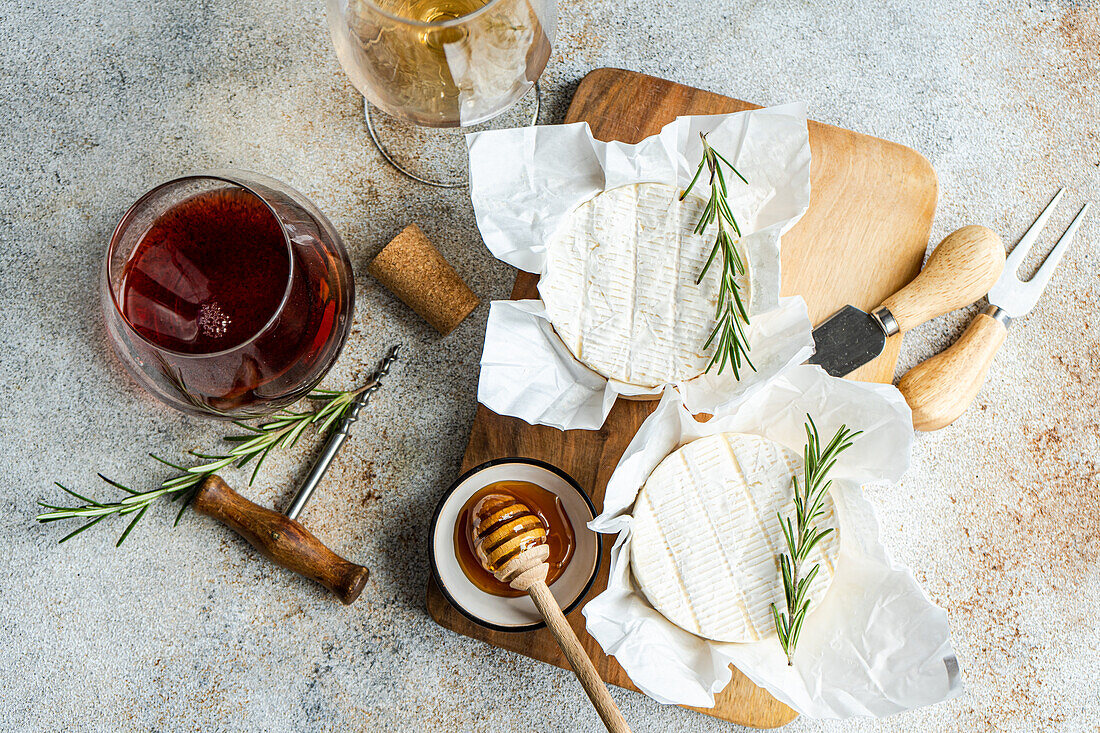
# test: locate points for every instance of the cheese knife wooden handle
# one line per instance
(962, 268)
(940, 388)
(280, 539)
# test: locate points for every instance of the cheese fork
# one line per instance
(940, 388)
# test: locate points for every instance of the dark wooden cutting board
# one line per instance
(864, 236)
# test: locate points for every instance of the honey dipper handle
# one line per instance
(578, 658)
(280, 539)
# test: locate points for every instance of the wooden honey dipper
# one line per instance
(510, 541)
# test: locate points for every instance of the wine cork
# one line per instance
(413, 270)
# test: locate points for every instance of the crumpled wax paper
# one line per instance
(526, 182)
(875, 646)
(488, 62)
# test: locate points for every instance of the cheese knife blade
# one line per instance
(847, 340)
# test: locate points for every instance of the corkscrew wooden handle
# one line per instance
(280, 539)
(570, 645)
(962, 268)
(940, 388)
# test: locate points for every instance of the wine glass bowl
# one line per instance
(227, 294)
(442, 63)
(427, 65)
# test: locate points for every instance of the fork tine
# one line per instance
(1019, 252)
(1050, 264)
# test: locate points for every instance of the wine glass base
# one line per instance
(437, 156)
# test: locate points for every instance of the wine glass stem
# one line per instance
(461, 182)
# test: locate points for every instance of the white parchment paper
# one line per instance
(526, 182)
(875, 646)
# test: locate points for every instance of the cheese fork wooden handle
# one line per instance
(962, 268)
(940, 388)
(280, 539)
(578, 658)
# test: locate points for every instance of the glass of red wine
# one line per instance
(227, 293)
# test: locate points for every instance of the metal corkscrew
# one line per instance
(279, 537)
(338, 436)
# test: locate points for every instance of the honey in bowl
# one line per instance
(560, 538)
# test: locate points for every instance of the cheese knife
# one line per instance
(940, 388)
(960, 270)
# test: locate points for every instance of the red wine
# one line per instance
(209, 278)
(208, 275)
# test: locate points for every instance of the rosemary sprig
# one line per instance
(730, 314)
(283, 431)
(803, 535)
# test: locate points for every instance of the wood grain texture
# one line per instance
(280, 539)
(578, 658)
(940, 388)
(962, 269)
(861, 240)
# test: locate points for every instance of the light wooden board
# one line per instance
(864, 236)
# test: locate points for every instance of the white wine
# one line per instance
(457, 62)
(431, 11)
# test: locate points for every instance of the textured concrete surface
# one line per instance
(188, 629)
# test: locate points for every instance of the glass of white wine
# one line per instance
(423, 65)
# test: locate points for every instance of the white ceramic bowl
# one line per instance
(513, 614)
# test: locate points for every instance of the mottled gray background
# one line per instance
(187, 629)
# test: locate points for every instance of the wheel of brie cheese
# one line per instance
(620, 287)
(706, 536)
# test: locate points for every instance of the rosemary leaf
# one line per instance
(78, 496)
(74, 533)
(155, 457)
(130, 526)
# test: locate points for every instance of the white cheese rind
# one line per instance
(619, 285)
(706, 536)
